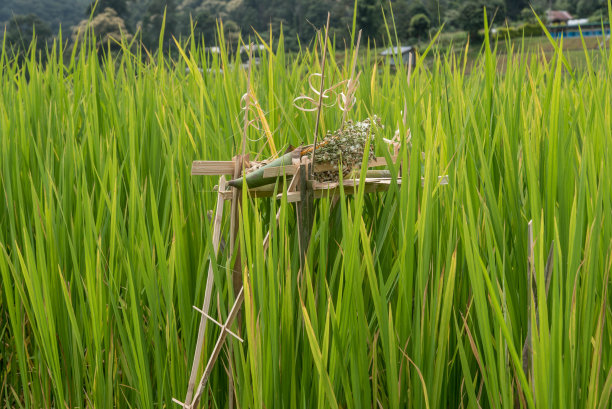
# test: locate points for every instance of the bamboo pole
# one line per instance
(207, 294)
(321, 93)
(217, 349)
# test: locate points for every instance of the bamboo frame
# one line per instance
(297, 173)
(301, 190)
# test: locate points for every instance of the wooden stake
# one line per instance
(321, 92)
(246, 109)
(235, 273)
(237, 277)
(305, 211)
(207, 294)
(350, 86)
(224, 331)
(235, 206)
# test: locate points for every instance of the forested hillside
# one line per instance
(53, 12)
(415, 19)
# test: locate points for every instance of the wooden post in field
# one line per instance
(305, 210)
(320, 103)
(207, 294)
(234, 220)
(241, 165)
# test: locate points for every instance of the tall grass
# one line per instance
(416, 297)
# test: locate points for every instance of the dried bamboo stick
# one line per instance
(217, 349)
(208, 291)
(212, 167)
(321, 92)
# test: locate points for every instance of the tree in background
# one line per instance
(401, 18)
(515, 7)
(204, 15)
(436, 10)
(370, 19)
(107, 27)
(419, 26)
(304, 17)
(154, 20)
(527, 14)
(52, 12)
(567, 5)
(586, 8)
(299, 19)
(418, 7)
(120, 7)
(23, 31)
(204, 27)
(231, 32)
(136, 12)
(470, 15)
(252, 14)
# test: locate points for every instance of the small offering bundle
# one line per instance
(345, 146)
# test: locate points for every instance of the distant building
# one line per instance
(405, 51)
(558, 16)
(580, 29)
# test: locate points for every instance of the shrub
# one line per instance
(527, 30)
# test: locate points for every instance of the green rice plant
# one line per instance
(414, 297)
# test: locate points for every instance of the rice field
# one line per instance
(414, 297)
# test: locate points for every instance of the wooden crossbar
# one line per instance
(212, 167)
(331, 188)
(226, 167)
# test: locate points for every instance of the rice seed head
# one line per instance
(346, 145)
